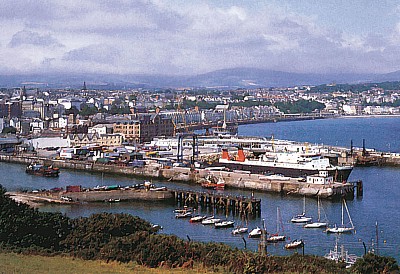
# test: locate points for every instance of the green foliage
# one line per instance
(372, 263)
(23, 226)
(356, 87)
(87, 110)
(187, 104)
(126, 238)
(300, 106)
(90, 234)
(117, 109)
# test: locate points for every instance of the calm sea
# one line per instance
(381, 133)
(379, 204)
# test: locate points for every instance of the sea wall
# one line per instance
(123, 195)
(190, 175)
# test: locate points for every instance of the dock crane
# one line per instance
(195, 147)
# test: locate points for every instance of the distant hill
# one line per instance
(225, 78)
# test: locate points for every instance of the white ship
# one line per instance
(287, 164)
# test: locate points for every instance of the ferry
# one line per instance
(286, 164)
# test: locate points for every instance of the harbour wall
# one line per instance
(190, 175)
(123, 195)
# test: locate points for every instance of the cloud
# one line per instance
(181, 37)
(26, 37)
(102, 54)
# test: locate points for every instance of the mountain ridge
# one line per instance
(240, 77)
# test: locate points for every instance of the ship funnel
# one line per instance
(240, 156)
(225, 154)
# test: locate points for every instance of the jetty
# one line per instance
(111, 194)
(241, 180)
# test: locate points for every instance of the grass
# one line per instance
(11, 263)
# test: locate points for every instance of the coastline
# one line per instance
(367, 116)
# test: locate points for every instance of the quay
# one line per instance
(153, 170)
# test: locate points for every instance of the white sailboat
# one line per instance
(240, 229)
(342, 228)
(255, 233)
(276, 237)
(302, 218)
(294, 244)
(317, 224)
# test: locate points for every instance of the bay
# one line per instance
(380, 133)
(379, 204)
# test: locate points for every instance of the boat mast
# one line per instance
(277, 220)
(304, 205)
(319, 211)
(348, 213)
(342, 213)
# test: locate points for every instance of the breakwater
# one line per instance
(154, 170)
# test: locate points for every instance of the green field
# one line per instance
(32, 264)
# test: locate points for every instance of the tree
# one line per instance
(88, 110)
(299, 106)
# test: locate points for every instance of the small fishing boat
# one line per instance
(220, 183)
(42, 170)
(255, 233)
(213, 183)
(239, 230)
(210, 220)
(197, 219)
(224, 224)
(294, 244)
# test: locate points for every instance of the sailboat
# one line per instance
(317, 224)
(342, 228)
(240, 229)
(302, 218)
(276, 237)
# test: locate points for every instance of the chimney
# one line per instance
(240, 156)
(225, 154)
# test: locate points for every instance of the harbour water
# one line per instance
(379, 203)
(380, 133)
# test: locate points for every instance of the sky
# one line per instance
(188, 37)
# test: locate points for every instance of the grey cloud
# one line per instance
(102, 54)
(26, 37)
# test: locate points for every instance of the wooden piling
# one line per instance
(237, 204)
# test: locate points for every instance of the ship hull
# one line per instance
(340, 174)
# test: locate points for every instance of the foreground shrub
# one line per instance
(372, 263)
